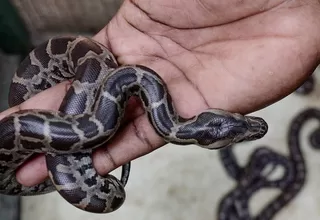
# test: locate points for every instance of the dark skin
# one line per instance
(237, 55)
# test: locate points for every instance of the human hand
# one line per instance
(235, 55)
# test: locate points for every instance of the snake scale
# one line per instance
(90, 114)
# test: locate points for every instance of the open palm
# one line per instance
(236, 55)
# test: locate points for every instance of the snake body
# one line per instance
(90, 115)
(252, 178)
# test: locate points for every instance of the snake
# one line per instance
(307, 87)
(90, 114)
(255, 175)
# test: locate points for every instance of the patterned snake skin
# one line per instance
(253, 177)
(90, 115)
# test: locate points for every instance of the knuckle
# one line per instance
(142, 135)
(110, 161)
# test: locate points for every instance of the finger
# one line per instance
(136, 139)
(33, 171)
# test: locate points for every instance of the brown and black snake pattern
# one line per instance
(90, 115)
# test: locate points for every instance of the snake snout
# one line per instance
(257, 128)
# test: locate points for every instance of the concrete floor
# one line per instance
(186, 183)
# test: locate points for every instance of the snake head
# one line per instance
(256, 128)
(236, 128)
(215, 129)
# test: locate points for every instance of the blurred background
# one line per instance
(173, 182)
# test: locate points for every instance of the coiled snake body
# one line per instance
(89, 116)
